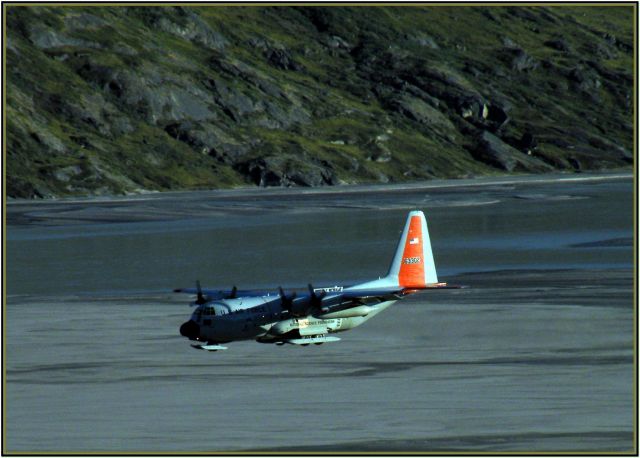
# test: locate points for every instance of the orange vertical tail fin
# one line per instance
(413, 263)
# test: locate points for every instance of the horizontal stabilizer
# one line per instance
(445, 286)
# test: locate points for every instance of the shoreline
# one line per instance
(341, 189)
(181, 206)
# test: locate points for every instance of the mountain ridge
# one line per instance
(117, 100)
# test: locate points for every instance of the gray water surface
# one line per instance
(167, 241)
(536, 356)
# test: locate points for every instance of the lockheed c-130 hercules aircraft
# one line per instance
(311, 318)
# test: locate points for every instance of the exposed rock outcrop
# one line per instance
(118, 99)
(288, 171)
(492, 150)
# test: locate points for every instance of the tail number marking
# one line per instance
(414, 260)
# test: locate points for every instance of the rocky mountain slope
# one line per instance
(104, 100)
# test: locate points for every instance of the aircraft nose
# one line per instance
(190, 329)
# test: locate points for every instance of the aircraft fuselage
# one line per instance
(264, 319)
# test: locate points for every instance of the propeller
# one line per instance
(315, 300)
(233, 294)
(200, 299)
(286, 301)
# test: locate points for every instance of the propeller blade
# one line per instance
(315, 300)
(286, 301)
(233, 294)
(200, 299)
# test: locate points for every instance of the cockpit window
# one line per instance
(209, 311)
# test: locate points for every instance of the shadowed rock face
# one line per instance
(110, 100)
(494, 151)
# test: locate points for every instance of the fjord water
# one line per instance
(536, 356)
(338, 237)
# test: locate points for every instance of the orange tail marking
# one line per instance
(411, 273)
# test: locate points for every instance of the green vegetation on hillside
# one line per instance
(121, 99)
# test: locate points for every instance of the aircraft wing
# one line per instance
(332, 295)
(213, 294)
(386, 291)
(382, 293)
